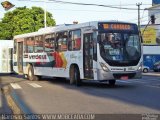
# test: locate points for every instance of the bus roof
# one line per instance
(65, 27)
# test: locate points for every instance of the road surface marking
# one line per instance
(149, 82)
(15, 86)
(34, 85)
(124, 81)
(151, 74)
(153, 86)
(136, 81)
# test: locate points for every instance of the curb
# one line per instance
(10, 101)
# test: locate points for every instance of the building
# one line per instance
(153, 12)
(151, 55)
(151, 36)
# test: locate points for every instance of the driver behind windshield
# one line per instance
(110, 39)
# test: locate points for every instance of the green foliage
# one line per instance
(23, 20)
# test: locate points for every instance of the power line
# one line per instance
(89, 4)
(49, 1)
(144, 20)
(73, 9)
(85, 4)
(142, 16)
(86, 10)
(134, 19)
(109, 6)
(128, 4)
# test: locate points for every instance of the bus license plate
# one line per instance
(124, 78)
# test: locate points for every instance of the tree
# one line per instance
(23, 20)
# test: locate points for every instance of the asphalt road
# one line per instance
(4, 108)
(58, 96)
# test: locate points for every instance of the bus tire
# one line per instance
(39, 77)
(112, 82)
(31, 75)
(145, 70)
(75, 76)
(25, 76)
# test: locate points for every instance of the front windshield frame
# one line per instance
(123, 43)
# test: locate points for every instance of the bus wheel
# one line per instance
(145, 70)
(75, 76)
(25, 76)
(31, 75)
(112, 82)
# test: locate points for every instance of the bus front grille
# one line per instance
(119, 75)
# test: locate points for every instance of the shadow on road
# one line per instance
(8, 95)
(136, 94)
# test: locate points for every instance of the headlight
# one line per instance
(104, 67)
(140, 67)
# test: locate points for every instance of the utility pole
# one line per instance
(45, 14)
(139, 4)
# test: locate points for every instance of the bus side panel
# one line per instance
(47, 64)
(75, 58)
(56, 64)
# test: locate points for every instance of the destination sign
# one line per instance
(117, 26)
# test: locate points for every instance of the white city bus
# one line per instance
(78, 52)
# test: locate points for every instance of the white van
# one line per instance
(6, 54)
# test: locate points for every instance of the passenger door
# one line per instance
(20, 57)
(88, 55)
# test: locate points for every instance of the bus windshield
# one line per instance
(120, 48)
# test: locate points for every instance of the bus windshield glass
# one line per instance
(120, 47)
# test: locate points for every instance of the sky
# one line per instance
(67, 13)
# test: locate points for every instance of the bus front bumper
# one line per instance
(102, 75)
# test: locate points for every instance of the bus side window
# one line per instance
(74, 42)
(38, 43)
(62, 39)
(29, 44)
(49, 43)
(95, 46)
(25, 46)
